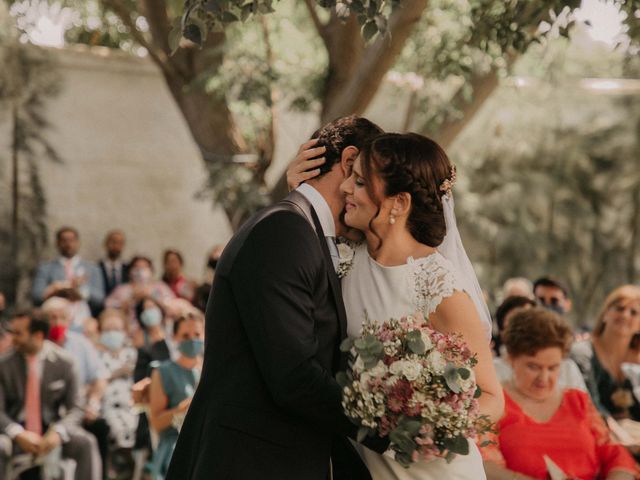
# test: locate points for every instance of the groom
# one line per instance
(267, 406)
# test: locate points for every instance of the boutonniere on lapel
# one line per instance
(346, 250)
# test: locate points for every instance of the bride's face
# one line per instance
(360, 208)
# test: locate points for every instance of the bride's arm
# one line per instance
(458, 314)
(497, 472)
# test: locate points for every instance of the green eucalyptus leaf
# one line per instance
(458, 445)
(343, 379)
(346, 345)
(451, 377)
(478, 392)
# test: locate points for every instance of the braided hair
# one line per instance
(418, 166)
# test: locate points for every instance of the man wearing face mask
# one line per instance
(551, 293)
(44, 414)
(92, 374)
(172, 387)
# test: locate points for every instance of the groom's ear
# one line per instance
(347, 158)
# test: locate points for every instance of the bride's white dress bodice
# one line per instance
(380, 293)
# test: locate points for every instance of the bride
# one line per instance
(399, 196)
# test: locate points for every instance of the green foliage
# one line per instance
(550, 182)
(203, 16)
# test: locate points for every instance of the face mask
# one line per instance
(191, 348)
(554, 307)
(151, 317)
(213, 263)
(141, 275)
(113, 340)
(57, 333)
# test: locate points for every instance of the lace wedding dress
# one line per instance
(380, 293)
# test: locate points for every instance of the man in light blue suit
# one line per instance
(69, 271)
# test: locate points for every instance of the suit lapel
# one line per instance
(21, 377)
(45, 381)
(304, 206)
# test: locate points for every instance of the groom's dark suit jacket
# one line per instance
(267, 406)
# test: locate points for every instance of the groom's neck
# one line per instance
(329, 188)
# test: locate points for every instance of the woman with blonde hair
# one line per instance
(613, 343)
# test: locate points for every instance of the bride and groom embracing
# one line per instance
(268, 405)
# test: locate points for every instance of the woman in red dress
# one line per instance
(546, 428)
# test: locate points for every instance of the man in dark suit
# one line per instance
(268, 406)
(113, 268)
(39, 407)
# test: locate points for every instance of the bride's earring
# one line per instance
(392, 216)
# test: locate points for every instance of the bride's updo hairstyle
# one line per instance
(418, 166)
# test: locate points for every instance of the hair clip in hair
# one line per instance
(448, 184)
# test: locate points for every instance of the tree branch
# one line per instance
(155, 11)
(378, 58)
(482, 87)
(158, 56)
(320, 27)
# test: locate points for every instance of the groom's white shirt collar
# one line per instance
(321, 207)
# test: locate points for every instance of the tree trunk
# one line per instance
(483, 88)
(345, 48)
(355, 95)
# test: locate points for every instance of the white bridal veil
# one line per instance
(453, 250)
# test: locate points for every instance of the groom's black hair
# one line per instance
(351, 131)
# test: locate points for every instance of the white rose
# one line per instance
(411, 370)
(346, 252)
(396, 367)
(380, 370)
(436, 361)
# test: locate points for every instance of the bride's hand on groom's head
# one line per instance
(305, 166)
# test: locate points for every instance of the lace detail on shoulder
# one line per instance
(433, 281)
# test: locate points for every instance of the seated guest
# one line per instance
(173, 276)
(113, 268)
(150, 316)
(39, 405)
(517, 287)
(80, 311)
(5, 335)
(542, 420)
(569, 376)
(173, 384)
(118, 358)
(612, 343)
(140, 285)
(93, 376)
(69, 271)
(503, 313)
(553, 294)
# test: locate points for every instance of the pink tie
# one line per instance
(68, 269)
(32, 412)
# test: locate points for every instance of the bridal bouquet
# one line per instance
(415, 385)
